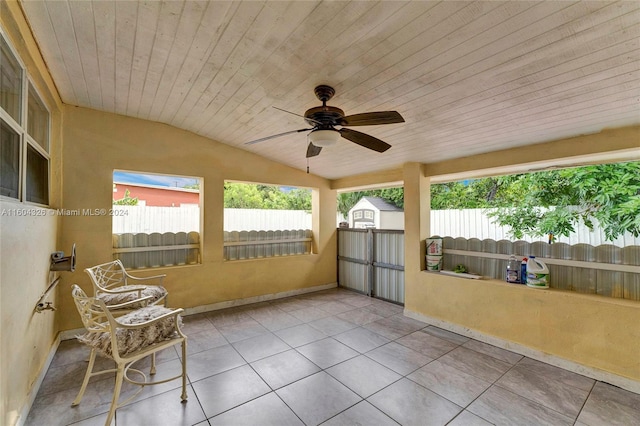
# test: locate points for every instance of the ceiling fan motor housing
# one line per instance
(327, 115)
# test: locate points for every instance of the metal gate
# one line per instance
(371, 261)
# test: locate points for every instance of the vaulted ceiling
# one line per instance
(468, 77)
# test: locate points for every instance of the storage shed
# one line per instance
(374, 212)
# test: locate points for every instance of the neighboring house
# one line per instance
(157, 196)
(374, 212)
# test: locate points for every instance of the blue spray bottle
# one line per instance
(523, 271)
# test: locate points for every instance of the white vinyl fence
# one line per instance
(474, 223)
(148, 237)
(148, 219)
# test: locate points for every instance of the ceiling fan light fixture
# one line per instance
(323, 138)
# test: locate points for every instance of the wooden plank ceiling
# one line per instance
(468, 77)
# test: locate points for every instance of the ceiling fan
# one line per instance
(325, 118)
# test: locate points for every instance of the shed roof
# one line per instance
(382, 205)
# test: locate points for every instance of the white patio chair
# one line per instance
(126, 340)
(122, 291)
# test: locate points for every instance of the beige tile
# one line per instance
(544, 390)
(317, 398)
(411, 404)
(399, 358)
(471, 362)
(494, 351)
(447, 335)
(611, 405)
(427, 344)
(466, 418)
(453, 384)
(501, 407)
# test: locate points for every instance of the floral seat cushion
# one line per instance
(155, 291)
(132, 340)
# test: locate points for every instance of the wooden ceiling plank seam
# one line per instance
(65, 35)
(82, 21)
(231, 84)
(487, 28)
(230, 114)
(569, 81)
(126, 16)
(450, 60)
(441, 21)
(202, 92)
(146, 28)
(185, 34)
(192, 60)
(487, 72)
(315, 22)
(541, 120)
(520, 87)
(53, 60)
(452, 129)
(104, 18)
(205, 40)
(532, 136)
(483, 59)
(300, 26)
(169, 19)
(302, 94)
(380, 44)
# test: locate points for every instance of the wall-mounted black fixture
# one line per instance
(61, 263)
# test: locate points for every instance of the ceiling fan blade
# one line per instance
(372, 118)
(276, 136)
(293, 113)
(365, 140)
(313, 150)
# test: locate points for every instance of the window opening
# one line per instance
(156, 219)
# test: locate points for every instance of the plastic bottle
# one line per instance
(537, 273)
(523, 271)
(513, 270)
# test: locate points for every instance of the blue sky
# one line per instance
(160, 180)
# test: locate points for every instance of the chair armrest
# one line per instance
(119, 291)
(141, 280)
(173, 313)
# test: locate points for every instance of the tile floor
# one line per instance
(335, 358)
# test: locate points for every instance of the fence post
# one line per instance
(370, 271)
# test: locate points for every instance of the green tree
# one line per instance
(299, 199)
(255, 196)
(126, 200)
(556, 201)
(242, 196)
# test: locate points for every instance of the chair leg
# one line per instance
(184, 371)
(153, 364)
(87, 376)
(116, 394)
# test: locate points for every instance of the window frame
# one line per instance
(122, 252)
(26, 140)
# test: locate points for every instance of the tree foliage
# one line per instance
(254, 196)
(540, 203)
(553, 202)
(126, 200)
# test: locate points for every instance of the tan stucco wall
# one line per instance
(27, 338)
(96, 143)
(590, 330)
(594, 331)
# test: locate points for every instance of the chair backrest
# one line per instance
(92, 312)
(107, 275)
